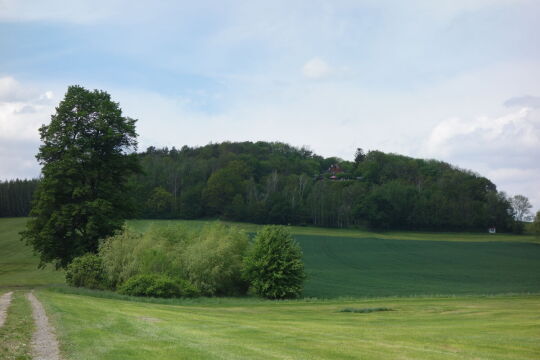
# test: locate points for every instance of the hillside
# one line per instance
(276, 183)
(355, 263)
(362, 263)
(18, 265)
(401, 266)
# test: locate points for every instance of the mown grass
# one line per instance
(16, 334)
(18, 265)
(498, 327)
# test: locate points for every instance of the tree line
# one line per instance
(272, 182)
(16, 197)
(275, 183)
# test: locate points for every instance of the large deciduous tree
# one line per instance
(87, 154)
(521, 207)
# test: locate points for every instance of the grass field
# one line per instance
(359, 263)
(499, 327)
(376, 270)
(142, 225)
(18, 266)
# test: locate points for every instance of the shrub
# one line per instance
(274, 264)
(86, 271)
(117, 254)
(213, 260)
(156, 286)
(210, 258)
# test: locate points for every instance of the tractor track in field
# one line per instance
(44, 342)
(5, 301)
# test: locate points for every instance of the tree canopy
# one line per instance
(275, 183)
(87, 155)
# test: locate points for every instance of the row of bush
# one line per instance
(182, 261)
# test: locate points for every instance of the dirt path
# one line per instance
(5, 300)
(44, 343)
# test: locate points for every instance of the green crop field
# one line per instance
(397, 271)
(358, 263)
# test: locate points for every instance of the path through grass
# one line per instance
(500, 327)
(16, 334)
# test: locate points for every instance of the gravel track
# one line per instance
(44, 343)
(5, 301)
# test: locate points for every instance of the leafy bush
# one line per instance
(86, 271)
(156, 286)
(117, 254)
(210, 257)
(274, 264)
(213, 260)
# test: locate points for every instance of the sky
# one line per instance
(457, 81)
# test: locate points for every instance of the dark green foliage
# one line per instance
(155, 285)
(16, 197)
(86, 159)
(274, 266)
(160, 203)
(364, 310)
(86, 271)
(536, 224)
(276, 183)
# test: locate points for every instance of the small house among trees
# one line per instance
(334, 169)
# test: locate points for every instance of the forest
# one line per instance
(275, 183)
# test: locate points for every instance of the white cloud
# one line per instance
(518, 131)
(23, 109)
(12, 90)
(505, 149)
(524, 101)
(316, 68)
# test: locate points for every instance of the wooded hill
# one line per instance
(277, 183)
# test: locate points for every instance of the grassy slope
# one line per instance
(359, 263)
(379, 267)
(499, 327)
(355, 263)
(18, 266)
(142, 225)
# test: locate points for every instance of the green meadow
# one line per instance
(447, 296)
(18, 265)
(499, 327)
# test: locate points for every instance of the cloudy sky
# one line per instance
(452, 80)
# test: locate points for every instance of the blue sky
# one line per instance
(452, 80)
